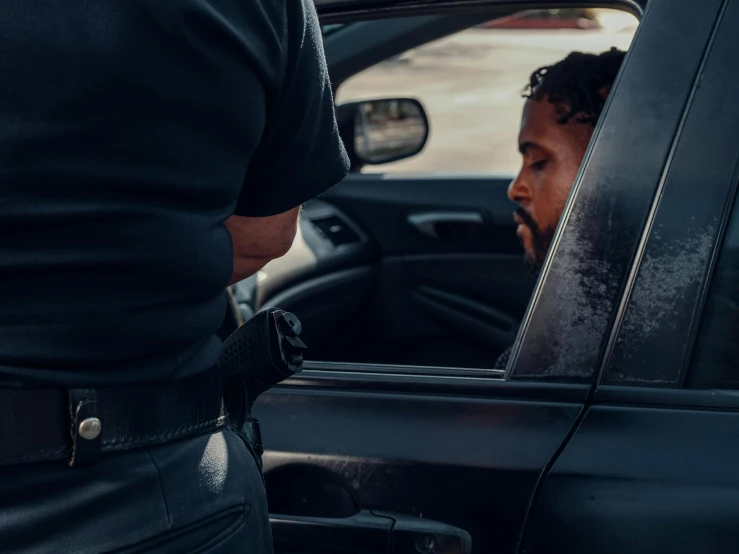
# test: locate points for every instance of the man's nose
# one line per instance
(517, 190)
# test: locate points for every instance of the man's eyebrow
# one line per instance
(524, 147)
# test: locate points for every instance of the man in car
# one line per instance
(564, 102)
(150, 153)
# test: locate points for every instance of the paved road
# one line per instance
(471, 86)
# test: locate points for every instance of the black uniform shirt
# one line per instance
(129, 131)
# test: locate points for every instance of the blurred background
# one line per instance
(471, 83)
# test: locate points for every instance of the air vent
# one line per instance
(336, 230)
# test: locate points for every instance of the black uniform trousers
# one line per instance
(202, 494)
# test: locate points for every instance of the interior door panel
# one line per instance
(412, 270)
(447, 298)
(385, 206)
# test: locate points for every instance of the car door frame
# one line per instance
(421, 396)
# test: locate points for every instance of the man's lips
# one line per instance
(521, 224)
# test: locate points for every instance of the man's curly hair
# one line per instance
(580, 82)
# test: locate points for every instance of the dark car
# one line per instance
(613, 428)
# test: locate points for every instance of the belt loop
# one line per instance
(86, 426)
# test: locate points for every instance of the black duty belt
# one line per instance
(80, 424)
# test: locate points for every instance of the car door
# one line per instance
(387, 458)
(652, 466)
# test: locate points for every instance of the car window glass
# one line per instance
(471, 83)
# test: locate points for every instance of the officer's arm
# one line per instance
(300, 155)
(259, 240)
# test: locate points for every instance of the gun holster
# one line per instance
(263, 352)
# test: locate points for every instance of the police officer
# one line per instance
(150, 153)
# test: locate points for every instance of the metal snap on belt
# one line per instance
(90, 428)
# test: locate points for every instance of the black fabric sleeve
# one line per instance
(300, 155)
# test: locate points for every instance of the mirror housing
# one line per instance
(381, 131)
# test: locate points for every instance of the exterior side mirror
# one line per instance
(382, 131)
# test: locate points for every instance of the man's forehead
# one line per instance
(538, 117)
(540, 126)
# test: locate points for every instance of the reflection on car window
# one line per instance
(716, 355)
(471, 82)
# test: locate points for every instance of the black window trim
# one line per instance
(670, 398)
(668, 214)
(326, 376)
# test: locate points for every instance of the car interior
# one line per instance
(412, 265)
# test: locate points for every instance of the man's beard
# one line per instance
(541, 240)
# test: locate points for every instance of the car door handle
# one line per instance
(367, 532)
(449, 226)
